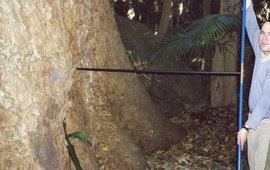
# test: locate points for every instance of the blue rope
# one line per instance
(239, 154)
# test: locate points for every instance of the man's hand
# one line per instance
(242, 137)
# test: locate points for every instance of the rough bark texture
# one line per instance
(41, 44)
(35, 79)
(224, 89)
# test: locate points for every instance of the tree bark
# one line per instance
(206, 7)
(217, 82)
(165, 18)
(224, 89)
(42, 42)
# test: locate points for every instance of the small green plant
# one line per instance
(138, 65)
(71, 150)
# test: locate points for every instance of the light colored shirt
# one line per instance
(248, 2)
(259, 96)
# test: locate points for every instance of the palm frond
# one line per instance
(200, 36)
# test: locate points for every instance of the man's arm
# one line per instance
(252, 27)
(248, 3)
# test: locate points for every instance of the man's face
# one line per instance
(265, 38)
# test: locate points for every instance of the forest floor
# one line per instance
(210, 143)
(211, 140)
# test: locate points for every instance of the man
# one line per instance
(256, 129)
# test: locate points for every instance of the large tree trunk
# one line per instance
(42, 42)
(224, 89)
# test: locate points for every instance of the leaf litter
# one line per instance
(209, 145)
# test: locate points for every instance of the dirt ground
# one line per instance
(211, 140)
(210, 144)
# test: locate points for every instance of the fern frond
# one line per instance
(198, 37)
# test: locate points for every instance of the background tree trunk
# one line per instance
(42, 42)
(206, 7)
(224, 89)
(165, 18)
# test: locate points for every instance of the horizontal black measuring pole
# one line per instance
(203, 73)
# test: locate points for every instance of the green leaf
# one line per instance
(129, 52)
(73, 156)
(199, 37)
(81, 136)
